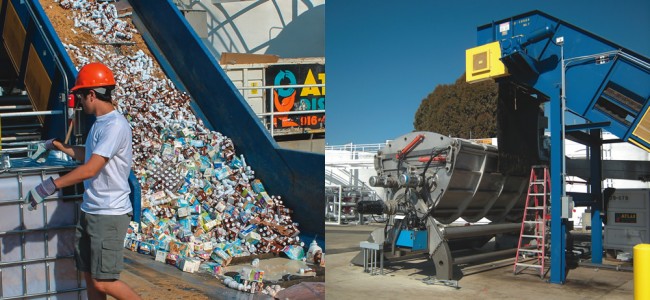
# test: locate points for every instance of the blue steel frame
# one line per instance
(595, 157)
(535, 59)
(558, 226)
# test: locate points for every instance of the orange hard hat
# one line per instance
(94, 75)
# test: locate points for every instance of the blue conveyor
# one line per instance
(605, 82)
(46, 72)
(579, 72)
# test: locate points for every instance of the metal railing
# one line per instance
(24, 114)
(335, 178)
(31, 113)
(373, 148)
(339, 179)
(9, 107)
(334, 204)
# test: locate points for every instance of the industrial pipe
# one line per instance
(457, 232)
(379, 181)
(538, 35)
(31, 113)
(367, 207)
(8, 107)
(603, 266)
(485, 256)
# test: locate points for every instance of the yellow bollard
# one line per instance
(641, 271)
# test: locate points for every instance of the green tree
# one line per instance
(460, 110)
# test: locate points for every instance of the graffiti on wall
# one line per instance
(297, 99)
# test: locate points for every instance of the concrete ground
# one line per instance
(405, 280)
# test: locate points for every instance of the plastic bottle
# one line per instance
(313, 249)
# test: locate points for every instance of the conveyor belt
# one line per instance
(297, 176)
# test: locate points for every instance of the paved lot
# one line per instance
(405, 280)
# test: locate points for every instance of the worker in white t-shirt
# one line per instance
(106, 208)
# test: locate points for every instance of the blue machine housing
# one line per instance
(414, 239)
(605, 82)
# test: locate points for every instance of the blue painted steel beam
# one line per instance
(558, 227)
(582, 138)
(613, 141)
(578, 127)
(601, 82)
(134, 197)
(596, 189)
(595, 193)
(606, 82)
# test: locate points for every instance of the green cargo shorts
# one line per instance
(99, 240)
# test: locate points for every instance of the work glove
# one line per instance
(36, 195)
(49, 144)
(41, 150)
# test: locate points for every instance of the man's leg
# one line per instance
(82, 257)
(91, 289)
(116, 288)
(107, 261)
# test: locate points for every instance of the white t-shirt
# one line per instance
(108, 192)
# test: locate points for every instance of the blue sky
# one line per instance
(384, 57)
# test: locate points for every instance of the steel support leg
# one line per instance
(381, 261)
(373, 261)
(558, 228)
(439, 251)
(596, 191)
(365, 260)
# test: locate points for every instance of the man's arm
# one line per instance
(76, 152)
(83, 172)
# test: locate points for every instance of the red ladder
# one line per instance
(535, 215)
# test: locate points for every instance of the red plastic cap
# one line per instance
(71, 101)
(94, 75)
